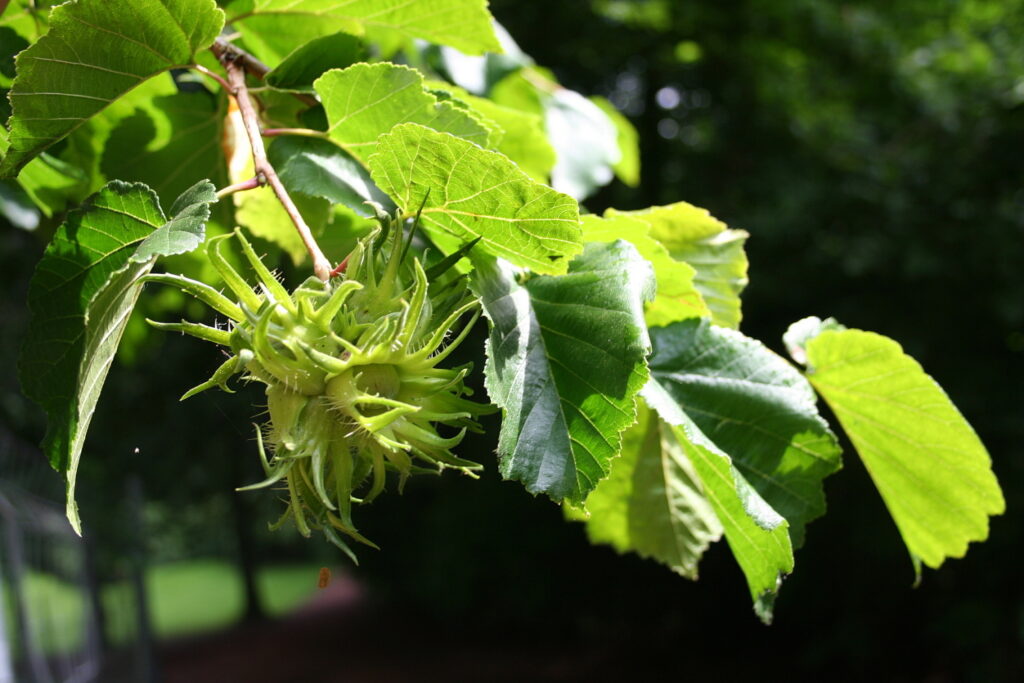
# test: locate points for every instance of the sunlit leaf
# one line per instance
(477, 74)
(932, 470)
(466, 192)
(53, 184)
(693, 235)
(627, 168)
(516, 91)
(677, 297)
(585, 140)
(365, 101)
(523, 141)
(86, 146)
(464, 24)
(168, 144)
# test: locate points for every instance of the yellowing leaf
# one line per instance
(693, 235)
(677, 298)
(932, 470)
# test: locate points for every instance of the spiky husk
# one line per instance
(351, 367)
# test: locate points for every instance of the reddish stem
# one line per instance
(341, 267)
(214, 75)
(265, 172)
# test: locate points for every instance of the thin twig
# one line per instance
(254, 67)
(222, 48)
(250, 184)
(264, 170)
(305, 132)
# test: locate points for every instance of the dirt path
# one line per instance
(340, 636)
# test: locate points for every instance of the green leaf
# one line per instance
(95, 52)
(320, 169)
(365, 101)
(167, 144)
(565, 360)
(628, 166)
(933, 472)
(53, 184)
(677, 298)
(755, 407)
(467, 192)
(585, 139)
(516, 91)
(81, 295)
(757, 535)
(86, 145)
(692, 235)
(652, 501)
(524, 141)
(463, 24)
(306, 64)
(186, 230)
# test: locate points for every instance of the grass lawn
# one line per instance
(184, 598)
(58, 610)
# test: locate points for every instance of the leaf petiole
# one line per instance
(250, 184)
(305, 132)
(209, 73)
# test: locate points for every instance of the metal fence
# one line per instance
(48, 613)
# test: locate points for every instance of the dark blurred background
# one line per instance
(873, 150)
